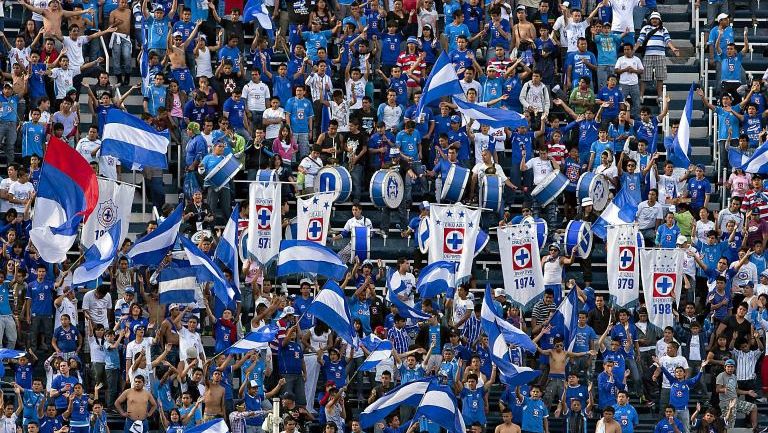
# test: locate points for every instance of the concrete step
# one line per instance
(671, 9)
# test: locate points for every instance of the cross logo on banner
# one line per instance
(453, 240)
(663, 284)
(521, 257)
(263, 217)
(315, 229)
(627, 258)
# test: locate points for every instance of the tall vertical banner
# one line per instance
(454, 230)
(265, 229)
(623, 267)
(521, 264)
(114, 205)
(662, 282)
(313, 217)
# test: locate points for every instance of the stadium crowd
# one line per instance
(328, 82)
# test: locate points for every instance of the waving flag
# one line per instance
(436, 279)
(453, 236)
(566, 318)
(737, 158)
(758, 162)
(133, 140)
(9, 354)
(442, 81)
(255, 340)
(439, 406)
(394, 286)
(226, 250)
(621, 210)
(257, 10)
(67, 193)
(330, 306)
(512, 335)
(152, 248)
(493, 117)
(680, 149)
(208, 271)
(100, 255)
(381, 352)
(115, 199)
(177, 285)
(511, 374)
(215, 426)
(303, 257)
(409, 394)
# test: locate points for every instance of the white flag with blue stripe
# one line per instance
(214, 426)
(621, 210)
(177, 285)
(100, 255)
(409, 394)
(442, 81)
(438, 278)
(330, 306)
(758, 162)
(255, 340)
(382, 352)
(256, 9)
(680, 149)
(510, 374)
(566, 318)
(226, 250)
(152, 248)
(394, 286)
(115, 199)
(131, 139)
(493, 117)
(207, 270)
(439, 406)
(308, 257)
(511, 334)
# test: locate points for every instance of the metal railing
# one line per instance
(695, 21)
(665, 124)
(702, 58)
(106, 53)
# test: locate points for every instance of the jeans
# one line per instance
(157, 191)
(302, 139)
(41, 326)
(357, 173)
(121, 58)
(632, 91)
(294, 383)
(8, 132)
(549, 213)
(8, 329)
(685, 418)
(220, 202)
(113, 386)
(635, 374)
(603, 72)
(245, 133)
(638, 15)
(715, 9)
(98, 374)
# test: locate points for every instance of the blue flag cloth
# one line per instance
(736, 159)
(758, 162)
(566, 318)
(439, 406)
(493, 117)
(331, 307)
(436, 279)
(680, 149)
(409, 394)
(304, 257)
(257, 10)
(150, 249)
(395, 286)
(226, 250)
(214, 426)
(382, 351)
(255, 340)
(207, 270)
(621, 210)
(133, 140)
(177, 285)
(511, 334)
(442, 81)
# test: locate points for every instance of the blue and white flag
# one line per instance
(214, 426)
(381, 352)
(177, 285)
(680, 149)
(436, 279)
(442, 81)
(394, 286)
(439, 406)
(309, 257)
(255, 340)
(737, 158)
(133, 140)
(493, 117)
(758, 162)
(207, 270)
(422, 235)
(152, 248)
(115, 199)
(226, 250)
(510, 374)
(409, 394)
(257, 10)
(453, 235)
(360, 243)
(100, 255)
(621, 210)
(9, 354)
(330, 306)
(521, 264)
(566, 318)
(511, 334)
(313, 217)
(265, 230)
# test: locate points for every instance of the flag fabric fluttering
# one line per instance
(382, 351)
(100, 255)
(304, 257)
(678, 152)
(151, 249)
(409, 394)
(207, 270)
(394, 286)
(133, 140)
(214, 426)
(437, 278)
(257, 10)
(114, 199)
(67, 194)
(566, 318)
(758, 162)
(254, 340)
(621, 210)
(493, 117)
(737, 158)
(9, 354)
(330, 306)
(177, 285)
(510, 374)
(442, 81)
(226, 250)
(439, 406)
(511, 334)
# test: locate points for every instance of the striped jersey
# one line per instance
(657, 44)
(756, 199)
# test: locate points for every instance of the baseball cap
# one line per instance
(130, 290)
(7, 84)
(672, 208)
(520, 8)
(393, 152)
(730, 362)
(368, 262)
(379, 330)
(764, 273)
(722, 17)
(288, 396)
(499, 292)
(158, 8)
(172, 306)
(177, 34)
(586, 201)
(288, 311)
(555, 246)
(424, 205)
(191, 353)
(412, 40)
(566, 4)
(455, 118)
(448, 348)
(681, 239)
(306, 281)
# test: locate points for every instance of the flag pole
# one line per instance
(460, 204)
(75, 263)
(120, 181)
(349, 381)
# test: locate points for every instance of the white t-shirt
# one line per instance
(481, 142)
(358, 89)
(5, 185)
(20, 191)
(133, 348)
(62, 79)
(272, 131)
(669, 363)
(667, 188)
(540, 167)
(574, 31)
(312, 166)
(629, 78)
(188, 339)
(256, 95)
(622, 15)
(68, 307)
(41, 4)
(460, 308)
(75, 50)
(97, 308)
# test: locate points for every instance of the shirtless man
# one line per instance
(607, 424)
(507, 426)
(121, 41)
(167, 333)
(19, 79)
(176, 54)
(524, 32)
(53, 15)
(136, 398)
(214, 395)
(558, 359)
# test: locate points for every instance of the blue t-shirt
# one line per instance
(618, 331)
(390, 48)
(409, 143)
(66, 339)
(30, 400)
(633, 182)
(579, 69)
(534, 412)
(408, 375)
(9, 108)
(666, 237)
(697, 190)
(41, 297)
(607, 48)
(730, 67)
(583, 338)
(400, 86)
(461, 137)
(335, 371)
(598, 147)
(727, 123)
(36, 80)
(473, 405)
(460, 60)
(300, 110)
(615, 97)
(5, 305)
(626, 416)
(290, 358)
(727, 38)
(155, 98)
(232, 54)
(316, 40)
(157, 32)
(578, 392)
(60, 384)
(452, 31)
(361, 310)
(520, 142)
(235, 111)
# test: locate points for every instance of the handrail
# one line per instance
(665, 126)
(106, 53)
(722, 188)
(702, 58)
(718, 159)
(695, 13)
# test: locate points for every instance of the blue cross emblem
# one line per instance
(664, 285)
(454, 241)
(522, 257)
(264, 217)
(626, 259)
(314, 229)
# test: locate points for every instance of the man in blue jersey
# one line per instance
(625, 413)
(731, 70)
